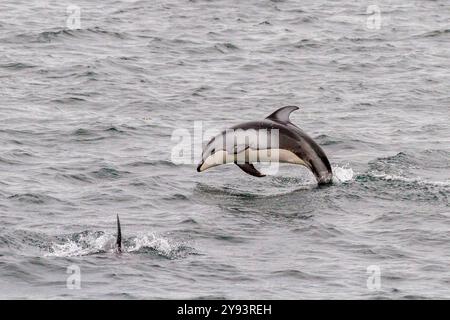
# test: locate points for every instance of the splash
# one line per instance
(151, 242)
(89, 243)
(82, 244)
(342, 174)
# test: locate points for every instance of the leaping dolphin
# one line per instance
(293, 146)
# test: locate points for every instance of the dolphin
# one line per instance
(247, 143)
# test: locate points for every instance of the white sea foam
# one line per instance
(85, 245)
(92, 243)
(153, 242)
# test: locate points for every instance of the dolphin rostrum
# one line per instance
(274, 139)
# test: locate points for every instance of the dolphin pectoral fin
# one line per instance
(282, 114)
(250, 169)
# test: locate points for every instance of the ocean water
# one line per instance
(87, 114)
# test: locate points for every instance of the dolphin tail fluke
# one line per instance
(119, 236)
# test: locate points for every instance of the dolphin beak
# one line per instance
(212, 161)
(199, 167)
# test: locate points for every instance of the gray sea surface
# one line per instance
(87, 114)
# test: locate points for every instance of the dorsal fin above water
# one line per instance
(119, 236)
(282, 114)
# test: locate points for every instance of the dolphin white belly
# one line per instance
(250, 155)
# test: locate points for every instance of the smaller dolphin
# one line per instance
(118, 248)
(247, 143)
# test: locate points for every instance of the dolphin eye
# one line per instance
(213, 150)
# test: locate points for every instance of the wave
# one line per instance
(296, 274)
(75, 177)
(108, 173)
(16, 66)
(84, 134)
(9, 161)
(61, 34)
(404, 187)
(405, 163)
(34, 198)
(226, 47)
(398, 178)
(434, 33)
(326, 140)
(152, 163)
(308, 43)
(407, 176)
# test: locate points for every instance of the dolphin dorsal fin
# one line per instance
(119, 236)
(282, 114)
